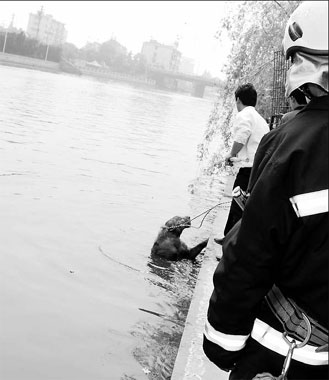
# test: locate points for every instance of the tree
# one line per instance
(90, 52)
(139, 64)
(20, 44)
(113, 54)
(70, 51)
(255, 30)
(109, 53)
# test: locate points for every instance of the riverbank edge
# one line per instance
(65, 67)
(191, 362)
(13, 60)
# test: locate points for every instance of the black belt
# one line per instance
(290, 316)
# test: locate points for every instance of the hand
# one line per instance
(228, 161)
(264, 376)
(323, 348)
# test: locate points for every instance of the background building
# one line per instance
(187, 66)
(160, 56)
(45, 29)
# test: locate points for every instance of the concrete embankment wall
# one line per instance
(191, 362)
(27, 62)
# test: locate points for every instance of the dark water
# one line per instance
(89, 171)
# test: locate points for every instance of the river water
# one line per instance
(89, 171)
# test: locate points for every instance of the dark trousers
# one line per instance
(235, 213)
(256, 359)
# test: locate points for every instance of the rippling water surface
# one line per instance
(88, 173)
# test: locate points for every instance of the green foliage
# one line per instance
(109, 53)
(20, 44)
(255, 30)
(70, 51)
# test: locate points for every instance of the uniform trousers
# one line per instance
(256, 359)
(235, 213)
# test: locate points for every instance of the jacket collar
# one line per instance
(321, 103)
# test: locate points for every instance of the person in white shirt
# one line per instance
(248, 129)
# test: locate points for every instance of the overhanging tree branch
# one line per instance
(276, 2)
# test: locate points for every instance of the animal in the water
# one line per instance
(169, 245)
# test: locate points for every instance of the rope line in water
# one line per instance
(116, 261)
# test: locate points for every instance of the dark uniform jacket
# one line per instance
(271, 244)
(291, 114)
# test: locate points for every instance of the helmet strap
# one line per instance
(306, 91)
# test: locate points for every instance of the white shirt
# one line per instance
(248, 129)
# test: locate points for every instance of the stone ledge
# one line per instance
(191, 362)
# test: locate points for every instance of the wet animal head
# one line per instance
(177, 224)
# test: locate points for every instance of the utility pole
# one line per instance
(174, 55)
(50, 39)
(40, 15)
(47, 45)
(4, 44)
(6, 34)
(47, 52)
(12, 21)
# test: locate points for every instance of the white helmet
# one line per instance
(307, 29)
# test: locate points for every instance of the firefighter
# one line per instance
(270, 297)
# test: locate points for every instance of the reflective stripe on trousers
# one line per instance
(273, 340)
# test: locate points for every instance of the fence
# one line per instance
(279, 102)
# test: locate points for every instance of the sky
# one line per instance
(133, 22)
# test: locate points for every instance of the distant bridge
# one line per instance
(199, 82)
(161, 78)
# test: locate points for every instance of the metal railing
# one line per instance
(279, 101)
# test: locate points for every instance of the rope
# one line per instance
(205, 212)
